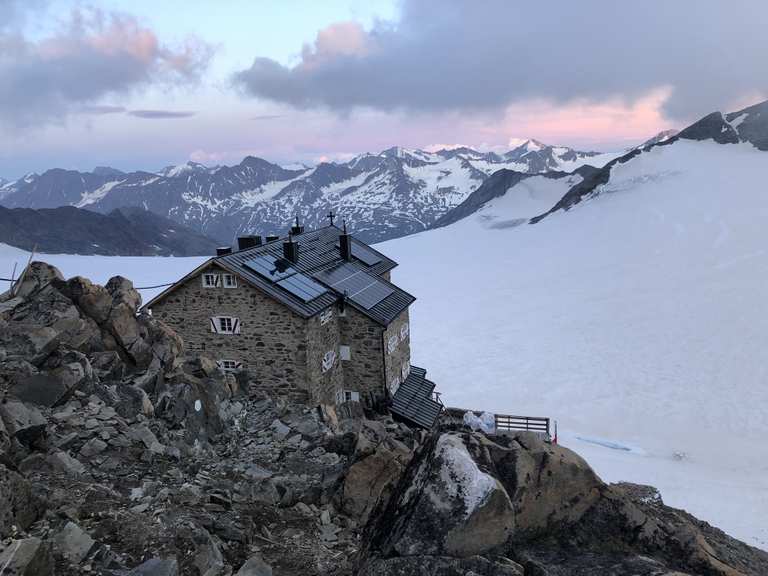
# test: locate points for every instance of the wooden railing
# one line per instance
(531, 423)
(507, 422)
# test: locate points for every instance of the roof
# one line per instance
(413, 400)
(318, 253)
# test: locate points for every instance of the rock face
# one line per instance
(517, 505)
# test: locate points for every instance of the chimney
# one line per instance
(245, 242)
(345, 244)
(297, 228)
(223, 250)
(291, 249)
(272, 238)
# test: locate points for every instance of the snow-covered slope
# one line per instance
(385, 195)
(638, 317)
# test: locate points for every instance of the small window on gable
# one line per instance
(326, 316)
(229, 365)
(328, 360)
(404, 331)
(392, 343)
(225, 325)
(211, 280)
(230, 281)
(344, 353)
(343, 396)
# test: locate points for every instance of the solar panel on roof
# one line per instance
(270, 267)
(360, 287)
(302, 286)
(364, 254)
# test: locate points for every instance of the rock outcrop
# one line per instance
(518, 505)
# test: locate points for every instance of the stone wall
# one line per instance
(324, 338)
(400, 332)
(363, 372)
(272, 343)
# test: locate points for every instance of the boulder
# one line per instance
(22, 421)
(550, 486)
(65, 463)
(45, 389)
(73, 543)
(157, 567)
(255, 566)
(443, 566)
(28, 557)
(370, 481)
(19, 506)
(36, 276)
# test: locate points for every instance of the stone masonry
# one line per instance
(284, 352)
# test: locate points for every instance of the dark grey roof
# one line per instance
(413, 400)
(318, 251)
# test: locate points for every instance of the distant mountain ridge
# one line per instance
(393, 193)
(123, 232)
(749, 125)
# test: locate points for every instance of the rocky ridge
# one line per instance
(121, 455)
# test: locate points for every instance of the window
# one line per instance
(225, 325)
(343, 396)
(404, 331)
(229, 365)
(328, 360)
(406, 369)
(210, 280)
(392, 343)
(394, 385)
(230, 281)
(344, 352)
(326, 316)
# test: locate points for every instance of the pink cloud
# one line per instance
(338, 39)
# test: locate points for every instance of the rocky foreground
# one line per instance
(121, 455)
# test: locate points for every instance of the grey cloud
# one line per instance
(94, 56)
(268, 117)
(456, 55)
(160, 114)
(99, 109)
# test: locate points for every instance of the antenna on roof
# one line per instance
(344, 223)
(331, 216)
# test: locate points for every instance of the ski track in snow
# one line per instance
(638, 320)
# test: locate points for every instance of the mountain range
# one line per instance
(394, 193)
(122, 232)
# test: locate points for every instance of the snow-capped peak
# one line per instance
(173, 171)
(662, 136)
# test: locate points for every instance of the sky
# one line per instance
(140, 84)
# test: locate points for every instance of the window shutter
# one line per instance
(217, 280)
(355, 396)
(236, 326)
(215, 324)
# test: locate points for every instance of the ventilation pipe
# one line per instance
(223, 250)
(345, 244)
(297, 228)
(291, 249)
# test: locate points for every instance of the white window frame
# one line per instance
(225, 325)
(229, 277)
(343, 396)
(329, 359)
(326, 316)
(404, 329)
(208, 276)
(345, 353)
(229, 365)
(392, 343)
